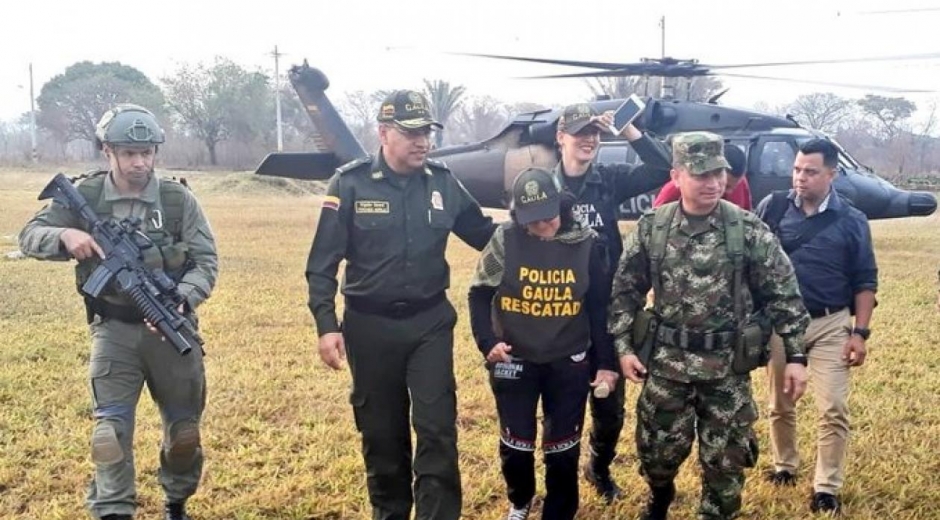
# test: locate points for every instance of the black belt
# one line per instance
(399, 309)
(108, 310)
(692, 340)
(825, 311)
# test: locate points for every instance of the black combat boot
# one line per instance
(598, 475)
(175, 511)
(658, 503)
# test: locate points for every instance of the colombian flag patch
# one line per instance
(331, 202)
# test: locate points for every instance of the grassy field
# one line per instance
(278, 432)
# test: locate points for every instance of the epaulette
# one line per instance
(434, 163)
(87, 175)
(353, 164)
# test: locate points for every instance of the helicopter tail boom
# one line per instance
(334, 143)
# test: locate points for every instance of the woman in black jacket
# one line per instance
(542, 280)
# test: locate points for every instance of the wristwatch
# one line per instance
(862, 331)
(797, 358)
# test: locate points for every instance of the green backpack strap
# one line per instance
(172, 197)
(662, 221)
(734, 242)
(92, 188)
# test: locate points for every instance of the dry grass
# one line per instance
(278, 431)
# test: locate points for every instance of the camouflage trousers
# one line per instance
(722, 412)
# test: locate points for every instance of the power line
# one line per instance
(895, 11)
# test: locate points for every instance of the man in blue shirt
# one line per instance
(829, 243)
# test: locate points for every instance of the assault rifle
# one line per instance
(152, 292)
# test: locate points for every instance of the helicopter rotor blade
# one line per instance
(598, 74)
(925, 56)
(826, 83)
(568, 63)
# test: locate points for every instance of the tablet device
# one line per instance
(628, 111)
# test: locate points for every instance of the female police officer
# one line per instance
(599, 190)
(544, 275)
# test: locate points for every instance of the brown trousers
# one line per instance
(829, 378)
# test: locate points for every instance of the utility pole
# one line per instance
(277, 98)
(32, 116)
(666, 88)
(662, 26)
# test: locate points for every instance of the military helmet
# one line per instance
(128, 124)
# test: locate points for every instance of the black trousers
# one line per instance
(404, 369)
(607, 417)
(562, 386)
(607, 414)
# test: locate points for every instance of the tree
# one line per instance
(295, 122)
(618, 87)
(822, 111)
(889, 112)
(691, 89)
(445, 100)
(924, 141)
(71, 103)
(359, 110)
(220, 101)
(523, 107)
(479, 119)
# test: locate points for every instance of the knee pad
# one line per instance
(105, 447)
(182, 443)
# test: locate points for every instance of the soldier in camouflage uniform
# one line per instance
(690, 385)
(126, 352)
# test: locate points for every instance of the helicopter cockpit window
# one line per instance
(776, 158)
(617, 154)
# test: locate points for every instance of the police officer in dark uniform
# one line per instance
(599, 190)
(542, 278)
(389, 216)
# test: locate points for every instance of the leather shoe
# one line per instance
(825, 503)
(781, 478)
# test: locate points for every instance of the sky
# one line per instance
(369, 45)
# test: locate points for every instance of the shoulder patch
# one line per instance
(355, 163)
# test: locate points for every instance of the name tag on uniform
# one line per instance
(437, 201)
(372, 206)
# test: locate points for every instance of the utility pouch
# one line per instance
(644, 335)
(752, 349)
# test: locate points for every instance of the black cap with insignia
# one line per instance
(575, 118)
(536, 196)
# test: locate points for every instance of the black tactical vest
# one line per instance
(540, 300)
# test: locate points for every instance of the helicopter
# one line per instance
(487, 168)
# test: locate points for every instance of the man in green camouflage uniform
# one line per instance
(690, 385)
(127, 352)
